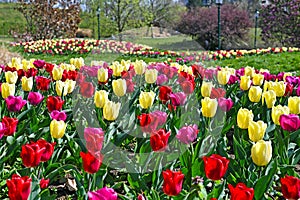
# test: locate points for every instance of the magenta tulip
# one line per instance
(289, 122)
(187, 134)
(103, 194)
(225, 104)
(15, 104)
(35, 98)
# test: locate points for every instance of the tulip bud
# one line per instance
(256, 130)
(206, 89)
(11, 77)
(111, 110)
(209, 107)
(269, 97)
(57, 128)
(27, 83)
(151, 75)
(258, 79)
(294, 105)
(100, 98)
(7, 90)
(119, 87)
(244, 117)
(57, 73)
(102, 75)
(146, 99)
(277, 111)
(245, 83)
(261, 153)
(255, 94)
(223, 77)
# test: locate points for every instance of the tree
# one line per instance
(50, 19)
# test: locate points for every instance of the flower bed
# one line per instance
(134, 130)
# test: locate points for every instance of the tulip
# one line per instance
(57, 73)
(206, 89)
(279, 88)
(19, 187)
(111, 110)
(2, 129)
(57, 128)
(261, 153)
(209, 107)
(34, 98)
(269, 97)
(103, 194)
(277, 111)
(146, 99)
(119, 87)
(217, 93)
(57, 115)
(187, 134)
(48, 149)
(11, 77)
(178, 99)
(91, 163)
(42, 83)
(241, 191)
(164, 93)
(298, 91)
(10, 125)
(289, 122)
(159, 140)
(100, 98)
(244, 117)
(61, 88)
(54, 103)
(290, 187)
(249, 71)
(44, 183)
(7, 90)
(94, 139)
(39, 63)
(225, 104)
(215, 166)
(256, 130)
(139, 67)
(172, 184)
(102, 75)
(188, 87)
(77, 62)
(27, 83)
(151, 76)
(255, 93)
(294, 105)
(31, 154)
(223, 77)
(245, 82)
(161, 79)
(15, 104)
(70, 85)
(258, 79)
(87, 89)
(289, 89)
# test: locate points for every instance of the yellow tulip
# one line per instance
(151, 75)
(294, 105)
(7, 90)
(258, 79)
(279, 88)
(111, 110)
(269, 97)
(146, 99)
(255, 94)
(206, 89)
(223, 77)
(117, 68)
(209, 107)
(16, 62)
(70, 85)
(27, 83)
(61, 88)
(249, 71)
(256, 130)
(244, 117)
(277, 111)
(119, 87)
(57, 128)
(100, 98)
(77, 62)
(11, 77)
(57, 73)
(139, 67)
(261, 153)
(102, 75)
(245, 82)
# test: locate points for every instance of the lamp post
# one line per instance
(98, 17)
(256, 24)
(219, 4)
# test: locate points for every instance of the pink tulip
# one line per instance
(161, 79)
(289, 122)
(94, 139)
(39, 63)
(2, 129)
(225, 104)
(15, 104)
(178, 99)
(58, 116)
(103, 194)
(298, 91)
(187, 134)
(159, 116)
(35, 98)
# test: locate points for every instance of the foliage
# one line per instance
(202, 24)
(280, 22)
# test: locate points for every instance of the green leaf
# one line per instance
(35, 188)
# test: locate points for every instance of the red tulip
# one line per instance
(54, 103)
(172, 182)
(91, 164)
(241, 191)
(80, 78)
(42, 83)
(164, 93)
(289, 122)
(225, 104)
(290, 187)
(188, 87)
(130, 86)
(159, 140)
(32, 72)
(18, 187)
(44, 183)
(10, 124)
(215, 166)
(87, 89)
(49, 148)
(72, 75)
(31, 154)
(94, 139)
(289, 89)
(217, 93)
(49, 67)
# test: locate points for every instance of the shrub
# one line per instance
(202, 24)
